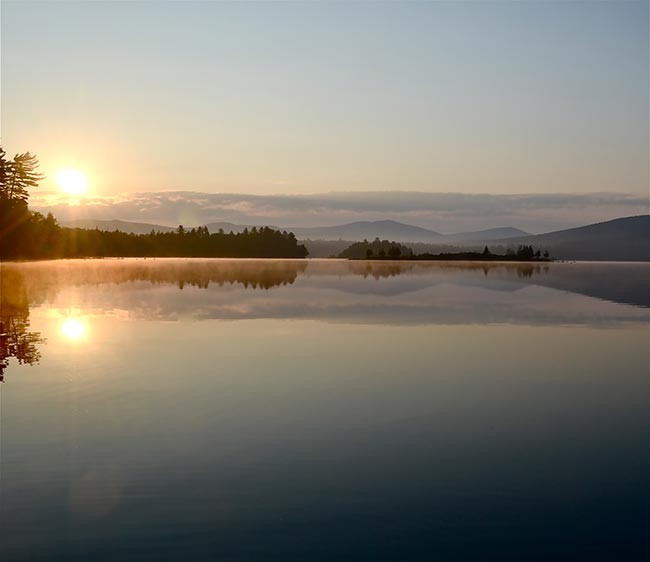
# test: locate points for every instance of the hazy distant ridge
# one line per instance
(111, 225)
(359, 230)
(386, 229)
(489, 234)
(623, 239)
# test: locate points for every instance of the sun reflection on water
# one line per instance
(73, 329)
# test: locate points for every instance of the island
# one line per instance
(386, 250)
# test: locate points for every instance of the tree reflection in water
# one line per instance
(22, 284)
(36, 283)
(16, 340)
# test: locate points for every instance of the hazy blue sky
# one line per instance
(510, 97)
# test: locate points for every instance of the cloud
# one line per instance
(445, 212)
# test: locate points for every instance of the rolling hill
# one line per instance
(500, 233)
(110, 225)
(232, 227)
(400, 232)
(360, 230)
(624, 239)
(354, 231)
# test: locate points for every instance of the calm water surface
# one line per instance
(323, 410)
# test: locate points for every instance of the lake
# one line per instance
(324, 410)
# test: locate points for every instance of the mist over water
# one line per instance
(323, 410)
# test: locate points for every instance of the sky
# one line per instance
(295, 99)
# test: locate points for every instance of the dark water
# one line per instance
(278, 410)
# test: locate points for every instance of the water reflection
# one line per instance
(43, 279)
(73, 329)
(16, 339)
(387, 293)
(332, 410)
(621, 283)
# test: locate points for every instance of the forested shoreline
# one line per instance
(196, 242)
(29, 235)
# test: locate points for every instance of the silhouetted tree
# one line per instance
(30, 235)
(525, 252)
(394, 252)
(3, 170)
(379, 248)
(23, 234)
(17, 176)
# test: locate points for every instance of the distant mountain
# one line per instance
(624, 239)
(400, 232)
(386, 229)
(146, 228)
(232, 227)
(352, 232)
(355, 231)
(110, 225)
(500, 233)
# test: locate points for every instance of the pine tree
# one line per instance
(17, 175)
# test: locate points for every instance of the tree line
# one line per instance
(196, 242)
(27, 234)
(376, 249)
(385, 250)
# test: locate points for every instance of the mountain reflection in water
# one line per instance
(625, 283)
(335, 290)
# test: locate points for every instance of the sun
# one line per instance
(73, 182)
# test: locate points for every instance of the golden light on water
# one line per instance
(73, 329)
(73, 182)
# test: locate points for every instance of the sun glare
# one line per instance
(73, 329)
(73, 182)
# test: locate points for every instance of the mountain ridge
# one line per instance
(116, 224)
(619, 239)
(356, 230)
